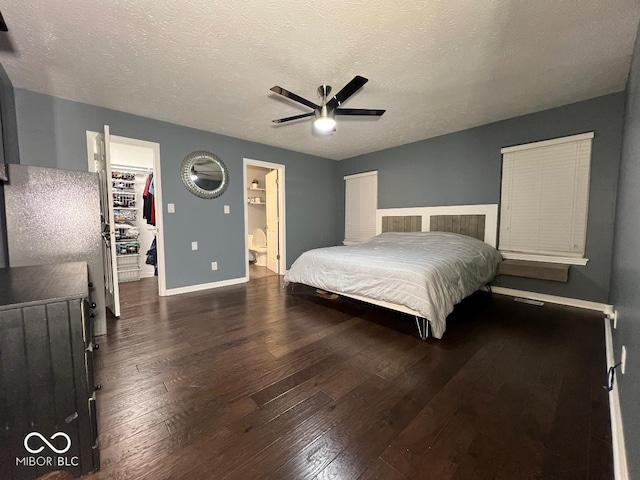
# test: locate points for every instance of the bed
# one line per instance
(422, 262)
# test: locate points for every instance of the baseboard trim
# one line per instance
(204, 286)
(617, 433)
(571, 302)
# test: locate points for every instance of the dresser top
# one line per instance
(26, 286)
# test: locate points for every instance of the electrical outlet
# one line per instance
(171, 207)
(214, 265)
(194, 245)
(623, 359)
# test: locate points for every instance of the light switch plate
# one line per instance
(226, 209)
(171, 207)
(214, 265)
(194, 245)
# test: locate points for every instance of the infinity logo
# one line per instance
(55, 435)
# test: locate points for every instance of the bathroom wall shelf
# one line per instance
(259, 199)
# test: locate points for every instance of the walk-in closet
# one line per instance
(132, 183)
(130, 211)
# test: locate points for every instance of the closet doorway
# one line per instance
(264, 215)
(131, 197)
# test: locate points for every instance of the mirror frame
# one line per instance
(185, 173)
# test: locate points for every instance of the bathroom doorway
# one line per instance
(264, 218)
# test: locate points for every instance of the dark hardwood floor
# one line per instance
(251, 382)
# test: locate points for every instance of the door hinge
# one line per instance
(277, 257)
(96, 157)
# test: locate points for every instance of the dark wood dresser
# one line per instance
(47, 391)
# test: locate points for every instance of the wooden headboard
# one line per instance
(399, 223)
(477, 221)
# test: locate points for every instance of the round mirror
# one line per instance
(204, 174)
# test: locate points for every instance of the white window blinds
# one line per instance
(361, 202)
(545, 197)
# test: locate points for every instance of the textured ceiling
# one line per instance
(436, 67)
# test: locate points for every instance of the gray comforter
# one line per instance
(427, 272)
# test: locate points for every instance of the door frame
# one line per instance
(248, 162)
(157, 192)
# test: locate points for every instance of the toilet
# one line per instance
(258, 246)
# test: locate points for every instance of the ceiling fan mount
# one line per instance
(324, 91)
(329, 107)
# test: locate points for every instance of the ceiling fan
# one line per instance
(325, 112)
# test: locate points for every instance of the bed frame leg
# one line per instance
(489, 289)
(423, 327)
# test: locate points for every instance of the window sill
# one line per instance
(544, 258)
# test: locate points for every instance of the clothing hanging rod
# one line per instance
(120, 166)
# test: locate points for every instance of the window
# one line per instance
(545, 200)
(361, 202)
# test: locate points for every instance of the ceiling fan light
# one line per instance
(324, 124)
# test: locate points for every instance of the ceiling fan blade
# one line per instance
(349, 89)
(359, 111)
(3, 25)
(295, 117)
(293, 96)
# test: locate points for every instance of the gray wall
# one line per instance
(8, 149)
(465, 168)
(459, 168)
(625, 272)
(52, 134)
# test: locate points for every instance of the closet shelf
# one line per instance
(257, 189)
(128, 183)
(129, 275)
